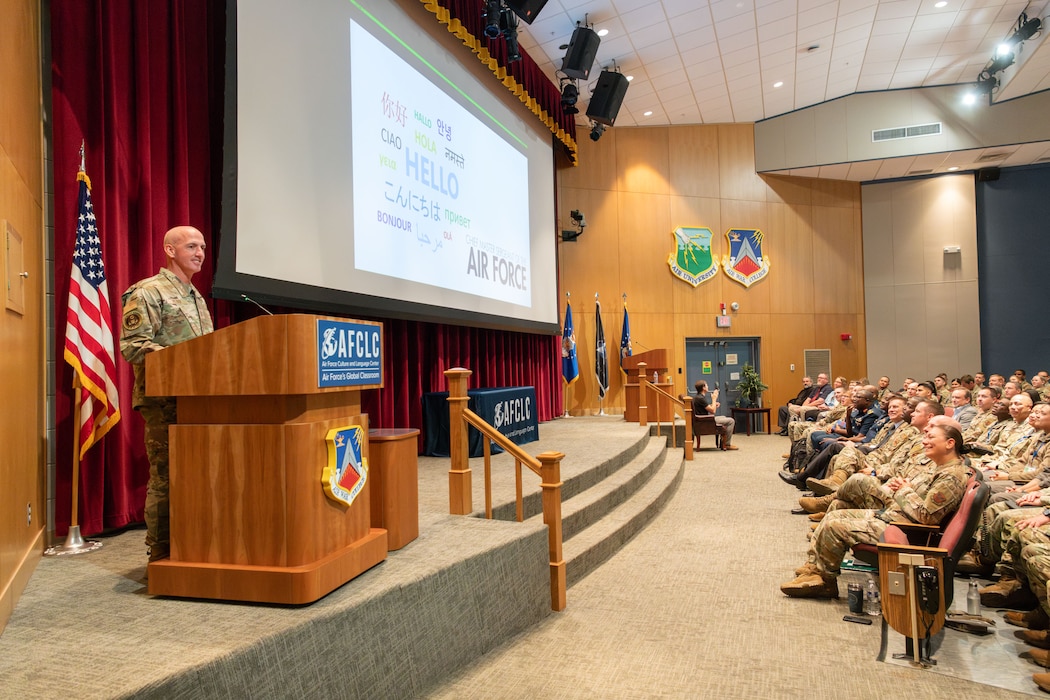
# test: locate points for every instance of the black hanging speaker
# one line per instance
(526, 9)
(579, 57)
(607, 97)
(987, 174)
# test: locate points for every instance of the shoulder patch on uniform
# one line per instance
(938, 498)
(132, 320)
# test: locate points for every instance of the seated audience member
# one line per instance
(784, 412)
(985, 418)
(978, 381)
(1040, 386)
(997, 380)
(1010, 390)
(1021, 378)
(963, 410)
(926, 498)
(705, 403)
(813, 405)
(883, 388)
(926, 390)
(1012, 430)
(940, 389)
(1021, 462)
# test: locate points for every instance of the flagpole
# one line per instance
(601, 407)
(75, 543)
(567, 391)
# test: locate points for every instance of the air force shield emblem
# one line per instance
(745, 263)
(344, 476)
(691, 260)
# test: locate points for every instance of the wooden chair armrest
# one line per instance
(889, 547)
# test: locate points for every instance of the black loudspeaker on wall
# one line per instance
(579, 57)
(987, 174)
(607, 97)
(526, 9)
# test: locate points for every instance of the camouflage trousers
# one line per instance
(861, 491)
(158, 415)
(1035, 559)
(1002, 541)
(837, 532)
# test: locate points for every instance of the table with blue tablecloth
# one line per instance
(511, 410)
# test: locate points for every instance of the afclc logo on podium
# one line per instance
(349, 353)
(344, 476)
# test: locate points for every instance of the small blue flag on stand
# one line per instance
(625, 339)
(601, 359)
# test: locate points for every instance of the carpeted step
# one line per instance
(594, 545)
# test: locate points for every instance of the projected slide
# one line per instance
(437, 195)
(367, 172)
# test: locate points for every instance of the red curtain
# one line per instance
(140, 83)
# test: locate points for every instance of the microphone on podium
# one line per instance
(252, 301)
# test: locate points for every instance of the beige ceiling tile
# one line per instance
(697, 19)
(659, 33)
(735, 25)
(903, 79)
(822, 33)
(895, 9)
(874, 81)
(663, 66)
(861, 17)
(778, 44)
(676, 8)
(773, 11)
(725, 9)
(780, 27)
(891, 26)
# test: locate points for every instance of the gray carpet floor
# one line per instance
(691, 608)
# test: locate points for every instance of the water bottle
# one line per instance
(872, 604)
(973, 599)
(656, 377)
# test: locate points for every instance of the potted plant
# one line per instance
(750, 387)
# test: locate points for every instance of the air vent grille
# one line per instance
(817, 361)
(906, 132)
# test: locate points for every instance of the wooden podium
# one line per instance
(250, 519)
(655, 361)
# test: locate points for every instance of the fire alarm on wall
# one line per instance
(846, 336)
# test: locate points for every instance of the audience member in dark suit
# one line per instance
(783, 414)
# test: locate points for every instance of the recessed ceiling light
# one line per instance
(779, 83)
(953, 168)
(603, 32)
(648, 113)
(940, 4)
(630, 78)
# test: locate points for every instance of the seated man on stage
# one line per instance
(707, 404)
(927, 497)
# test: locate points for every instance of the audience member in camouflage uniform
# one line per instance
(927, 498)
(985, 418)
(161, 311)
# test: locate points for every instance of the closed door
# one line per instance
(719, 362)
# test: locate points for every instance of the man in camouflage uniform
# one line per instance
(985, 418)
(926, 498)
(161, 311)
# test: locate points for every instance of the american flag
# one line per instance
(89, 331)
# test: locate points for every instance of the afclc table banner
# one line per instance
(511, 410)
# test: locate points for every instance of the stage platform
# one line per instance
(86, 627)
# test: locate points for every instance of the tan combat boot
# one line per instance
(822, 487)
(1042, 680)
(816, 505)
(1033, 619)
(811, 583)
(1008, 593)
(1036, 638)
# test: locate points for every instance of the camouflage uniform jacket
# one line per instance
(1027, 459)
(930, 495)
(1009, 445)
(904, 459)
(979, 426)
(159, 311)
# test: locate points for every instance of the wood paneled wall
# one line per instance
(636, 185)
(22, 357)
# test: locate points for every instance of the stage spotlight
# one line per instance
(508, 23)
(985, 85)
(569, 95)
(1001, 61)
(596, 131)
(493, 14)
(1027, 29)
